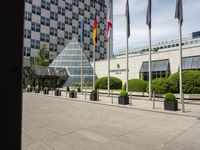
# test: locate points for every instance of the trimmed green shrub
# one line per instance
(159, 86)
(115, 83)
(191, 82)
(68, 89)
(136, 85)
(72, 91)
(169, 97)
(123, 93)
(94, 91)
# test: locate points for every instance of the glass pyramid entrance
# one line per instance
(70, 58)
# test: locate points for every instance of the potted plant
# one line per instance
(93, 95)
(78, 89)
(72, 94)
(57, 92)
(37, 89)
(123, 98)
(68, 89)
(29, 88)
(46, 90)
(170, 102)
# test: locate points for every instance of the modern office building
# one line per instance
(56, 22)
(165, 59)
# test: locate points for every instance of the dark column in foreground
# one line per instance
(11, 47)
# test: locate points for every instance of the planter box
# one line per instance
(78, 90)
(45, 92)
(93, 97)
(72, 95)
(58, 93)
(171, 105)
(124, 100)
(29, 90)
(37, 91)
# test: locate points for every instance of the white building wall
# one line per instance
(135, 63)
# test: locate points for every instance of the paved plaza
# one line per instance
(57, 123)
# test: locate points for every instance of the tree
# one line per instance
(43, 56)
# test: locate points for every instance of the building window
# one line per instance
(160, 68)
(27, 15)
(61, 11)
(45, 21)
(44, 37)
(36, 10)
(35, 26)
(53, 47)
(54, 16)
(55, 2)
(68, 20)
(27, 51)
(81, 12)
(27, 33)
(74, 16)
(61, 41)
(28, 1)
(61, 25)
(53, 31)
(75, 30)
(35, 44)
(68, 35)
(45, 5)
(68, 6)
(75, 3)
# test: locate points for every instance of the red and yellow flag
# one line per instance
(95, 31)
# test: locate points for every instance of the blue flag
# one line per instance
(82, 33)
(128, 18)
(179, 11)
(148, 16)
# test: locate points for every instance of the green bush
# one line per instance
(123, 93)
(136, 85)
(72, 91)
(115, 83)
(169, 97)
(191, 82)
(159, 86)
(94, 91)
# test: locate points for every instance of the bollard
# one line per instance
(131, 99)
(112, 97)
(66, 93)
(85, 93)
(97, 95)
(153, 100)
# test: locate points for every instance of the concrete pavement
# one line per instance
(52, 123)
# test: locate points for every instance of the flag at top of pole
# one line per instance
(82, 32)
(128, 18)
(179, 11)
(109, 26)
(95, 30)
(148, 16)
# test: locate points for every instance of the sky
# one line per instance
(164, 25)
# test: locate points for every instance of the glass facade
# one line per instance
(159, 68)
(191, 63)
(70, 58)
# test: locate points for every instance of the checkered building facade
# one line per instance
(56, 22)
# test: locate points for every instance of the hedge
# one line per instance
(191, 82)
(159, 86)
(169, 97)
(115, 83)
(136, 85)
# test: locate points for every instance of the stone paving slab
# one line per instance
(57, 123)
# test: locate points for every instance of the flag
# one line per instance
(109, 26)
(128, 18)
(179, 11)
(148, 16)
(95, 31)
(82, 33)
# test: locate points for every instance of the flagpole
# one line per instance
(150, 64)
(127, 55)
(180, 67)
(82, 69)
(108, 66)
(94, 67)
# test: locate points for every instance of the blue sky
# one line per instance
(164, 26)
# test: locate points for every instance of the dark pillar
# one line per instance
(12, 20)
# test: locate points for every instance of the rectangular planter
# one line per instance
(171, 105)
(93, 97)
(124, 100)
(37, 91)
(45, 92)
(72, 95)
(57, 93)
